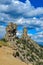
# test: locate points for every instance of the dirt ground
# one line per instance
(6, 57)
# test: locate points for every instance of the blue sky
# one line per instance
(25, 13)
(33, 2)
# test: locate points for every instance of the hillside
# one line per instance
(6, 57)
(29, 52)
(25, 49)
(21, 50)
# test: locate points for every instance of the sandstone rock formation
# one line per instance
(25, 48)
(11, 32)
(25, 35)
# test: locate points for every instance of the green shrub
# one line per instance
(17, 53)
(27, 54)
(3, 40)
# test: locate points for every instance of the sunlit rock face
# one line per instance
(11, 32)
(25, 35)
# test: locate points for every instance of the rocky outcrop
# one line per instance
(11, 32)
(25, 35)
(28, 50)
(24, 48)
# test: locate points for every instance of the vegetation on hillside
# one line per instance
(3, 42)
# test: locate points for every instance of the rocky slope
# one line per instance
(28, 51)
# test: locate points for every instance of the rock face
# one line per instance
(11, 32)
(25, 48)
(25, 35)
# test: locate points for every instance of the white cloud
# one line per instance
(3, 7)
(5, 1)
(35, 12)
(38, 37)
(2, 31)
(2, 27)
(25, 9)
(19, 33)
(19, 9)
(22, 14)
